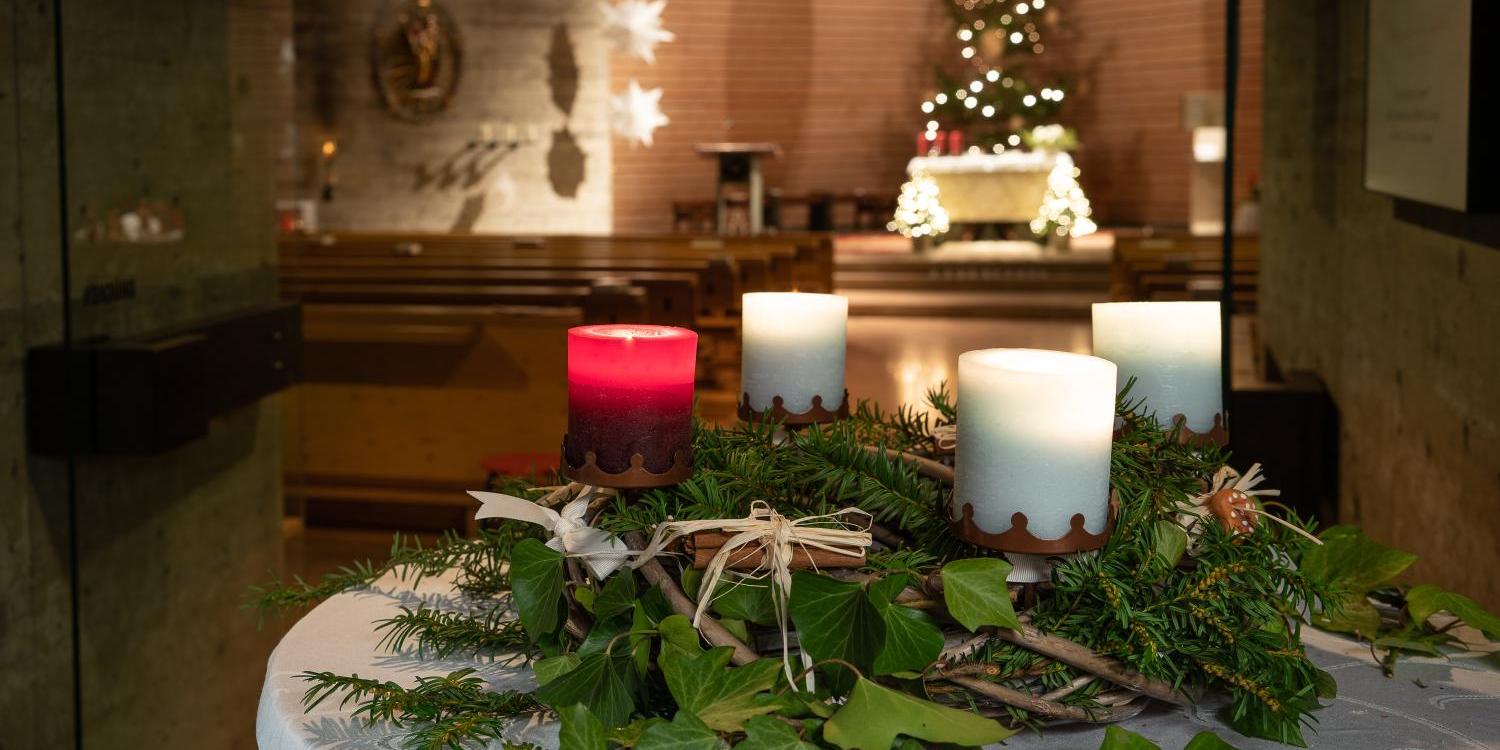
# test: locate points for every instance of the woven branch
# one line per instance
(712, 631)
(1041, 706)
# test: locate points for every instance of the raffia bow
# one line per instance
(945, 437)
(1230, 502)
(778, 537)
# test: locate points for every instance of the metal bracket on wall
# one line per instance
(148, 394)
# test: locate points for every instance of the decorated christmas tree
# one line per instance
(991, 89)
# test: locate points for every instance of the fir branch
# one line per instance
(449, 709)
(442, 634)
(479, 559)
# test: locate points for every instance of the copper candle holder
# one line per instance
(634, 477)
(1218, 434)
(1018, 538)
(817, 414)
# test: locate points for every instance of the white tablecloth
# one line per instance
(1432, 704)
(1005, 187)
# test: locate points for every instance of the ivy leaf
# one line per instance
(1352, 562)
(745, 599)
(976, 594)
(1425, 601)
(536, 584)
(1171, 542)
(683, 732)
(720, 697)
(1116, 738)
(1207, 741)
(912, 639)
(1326, 687)
(1354, 614)
(835, 620)
(601, 636)
(554, 667)
(630, 734)
(600, 682)
(678, 632)
(618, 596)
(581, 730)
(874, 715)
(1423, 647)
(763, 733)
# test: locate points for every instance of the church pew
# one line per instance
(719, 278)
(803, 261)
(400, 404)
(671, 298)
(600, 304)
(1181, 267)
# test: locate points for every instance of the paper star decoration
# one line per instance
(635, 26)
(636, 113)
(571, 533)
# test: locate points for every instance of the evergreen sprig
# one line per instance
(441, 633)
(447, 710)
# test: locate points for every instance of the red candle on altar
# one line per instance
(630, 405)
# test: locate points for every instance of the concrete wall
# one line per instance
(541, 65)
(173, 101)
(1398, 320)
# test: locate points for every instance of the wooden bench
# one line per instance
(401, 404)
(671, 297)
(1180, 267)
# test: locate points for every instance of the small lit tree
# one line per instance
(919, 214)
(1065, 210)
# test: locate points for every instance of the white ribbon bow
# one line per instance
(571, 533)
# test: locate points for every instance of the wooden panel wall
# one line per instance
(837, 84)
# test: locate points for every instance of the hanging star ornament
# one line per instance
(636, 113)
(634, 26)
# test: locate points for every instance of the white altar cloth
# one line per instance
(1431, 703)
(973, 188)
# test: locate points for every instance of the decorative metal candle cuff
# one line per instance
(778, 413)
(1018, 538)
(633, 478)
(1218, 434)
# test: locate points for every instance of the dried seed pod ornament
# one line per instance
(1230, 501)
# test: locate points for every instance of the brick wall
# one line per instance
(836, 83)
(1131, 64)
(1398, 320)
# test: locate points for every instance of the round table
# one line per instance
(1431, 703)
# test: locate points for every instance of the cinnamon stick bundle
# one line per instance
(705, 545)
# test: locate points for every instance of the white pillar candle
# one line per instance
(1172, 349)
(1034, 434)
(793, 347)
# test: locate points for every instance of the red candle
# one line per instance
(630, 391)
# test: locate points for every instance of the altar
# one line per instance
(979, 188)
